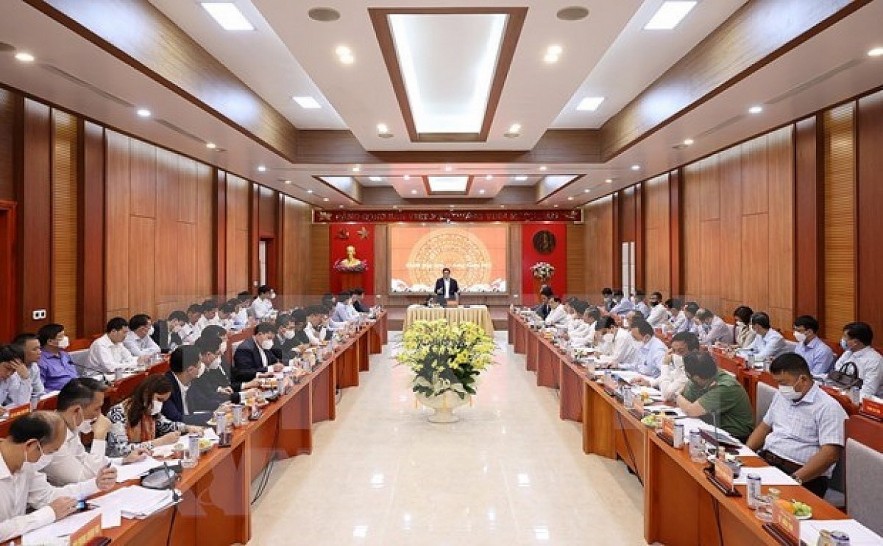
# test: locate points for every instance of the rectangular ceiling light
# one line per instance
(448, 63)
(590, 104)
(308, 103)
(669, 15)
(227, 15)
(448, 184)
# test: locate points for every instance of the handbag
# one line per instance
(846, 377)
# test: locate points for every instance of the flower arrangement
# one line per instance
(341, 267)
(445, 357)
(542, 270)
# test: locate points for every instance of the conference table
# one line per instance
(681, 506)
(215, 508)
(478, 314)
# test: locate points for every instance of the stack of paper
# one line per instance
(136, 502)
(859, 535)
(135, 470)
(769, 475)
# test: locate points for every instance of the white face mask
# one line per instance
(215, 364)
(150, 332)
(677, 361)
(42, 462)
(200, 371)
(607, 337)
(267, 344)
(789, 393)
(86, 426)
(64, 343)
(800, 337)
(155, 407)
(177, 328)
(289, 334)
(272, 295)
(223, 348)
(740, 324)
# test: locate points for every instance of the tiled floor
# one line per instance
(509, 473)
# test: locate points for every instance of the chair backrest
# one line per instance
(863, 492)
(79, 359)
(763, 399)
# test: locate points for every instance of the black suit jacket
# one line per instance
(208, 397)
(164, 337)
(440, 287)
(283, 349)
(360, 307)
(173, 408)
(542, 309)
(247, 361)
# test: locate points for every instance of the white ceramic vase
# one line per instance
(443, 405)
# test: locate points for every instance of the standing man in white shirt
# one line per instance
(768, 343)
(658, 316)
(856, 341)
(262, 307)
(107, 353)
(33, 439)
(139, 341)
(79, 405)
(713, 329)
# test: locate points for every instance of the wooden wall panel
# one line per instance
(731, 230)
(204, 229)
(840, 218)
(870, 221)
(91, 231)
(142, 290)
(35, 234)
(297, 264)
(142, 178)
(576, 272)
(780, 186)
(267, 207)
(598, 217)
(657, 228)
(754, 170)
(117, 214)
(238, 200)
(808, 226)
(691, 187)
(169, 203)
(8, 105)
(515, 261)
(320, 244)
(65, 244)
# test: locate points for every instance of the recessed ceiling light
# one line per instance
(543, 168)
(448, 168)
(288, 181)
(211, 145)
(413, 192)
(262, 168)
(452, 206)
(876, 52)
(143, 112)
(609, 181)
(570, 198)
(520, 178)
(326, 199)
(375, 178)
(587, 190)
(395, 207)
(26, 57)
(382, 128)
(310, 192)
(340, 206)
(589, 104)
(308, 103)
(515, 128)
(553, 53)
(688, 142)
(489, 177)
(669, 15)
(636, 167)
(755, 110)
(344, 55)
(356, 168)
(481, 192)
(502, 206)
(227, 15)
(556, 206)
(407, 177)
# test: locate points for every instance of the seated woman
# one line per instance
(137, 422)
(743, 334)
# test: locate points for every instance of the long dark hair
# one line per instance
(142, 397)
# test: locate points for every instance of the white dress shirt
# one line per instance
(190, 332)
(680, 323)
(107, 356)
(340, 314)
(240, 319)
(870, 369)
(718, 331)
(29, 488)
(672, 378)
(184, 388)
(316, 335)
(262, 308)
(642, 308)
(140, 346)
(649, 357)
(557, 316)
(586, 337)
(15, 391)
(658, 316)
(203, 322)
(72, 463)
(769, 345)
(622, 349)
(447, 283)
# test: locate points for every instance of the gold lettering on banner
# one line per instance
(458, 249)
(379, 216)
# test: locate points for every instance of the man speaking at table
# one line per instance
(446, 287)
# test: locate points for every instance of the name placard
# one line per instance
(872, 409)
(724, 474)
(18, 411)
(89, 531)
(786, 524)
(668, 427)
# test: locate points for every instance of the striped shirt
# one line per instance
(801, 428)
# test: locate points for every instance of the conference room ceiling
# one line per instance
(556, 160)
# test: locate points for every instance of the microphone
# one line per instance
(171, 475)
(99, 371)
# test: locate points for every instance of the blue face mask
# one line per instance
(843, 344)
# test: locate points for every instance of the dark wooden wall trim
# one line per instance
(91, 240)
(869, 220)
(220, 239)
(640, 262)
(808, 219)
(616, 239)
(254, 271)
(676, 241)
(35, 223)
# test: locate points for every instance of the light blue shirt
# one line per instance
(769, 345)
(643, 308)
(817, 354)
(622, 308)
(649, 358)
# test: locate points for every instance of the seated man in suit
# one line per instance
(544, 307)
(184, 369)
(447, 287)
(358, 304)
(166, 332)
(216, 385)
(254, 355)
(286, 344)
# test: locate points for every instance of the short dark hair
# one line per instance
(184, 357)
(283, 320)
(691, 339)
(606, 291)
(314, 310)
(704, 314)
(743, 313)
(194, 308)
(618, 293)
(674, 303)
(808, 322)
(607, 322)
(692, 307)
(860, 331)
(448, 269)
(358, 291)
(344, 294)
(20, 340)
(178, 315)
(49, 331)
(227, 307)
(643, 327)
(657, 294)
(208, 344)
(116, 323)
(79, 391)
(214, 330)
(791, 363)
(579, 306)
(761, 319)
(298, 316)
(243, 296)
(595, 312)
(7, 354)
(32, 426)
(209, 304)
(138, 321)
(556, 299)
(700, 363)
(265, 327)
(264, 289)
